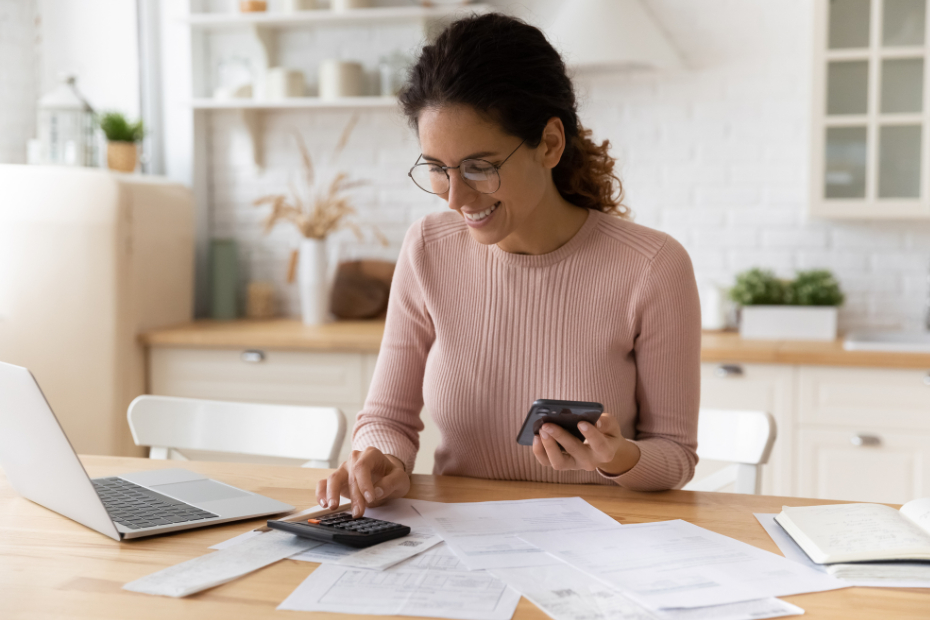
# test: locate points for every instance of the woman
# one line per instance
(532, 286)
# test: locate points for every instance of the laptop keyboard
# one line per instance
(136, 507)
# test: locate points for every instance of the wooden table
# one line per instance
(52, 568)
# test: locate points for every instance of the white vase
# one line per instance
(788, 322)
(313, 281)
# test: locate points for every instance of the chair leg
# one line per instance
(748, 479)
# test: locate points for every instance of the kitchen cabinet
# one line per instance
(313, 378)
(852, 425)
(870, 117)
(863, 434)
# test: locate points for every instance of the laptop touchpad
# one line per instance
(198, 491)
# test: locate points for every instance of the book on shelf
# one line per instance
(864, 540)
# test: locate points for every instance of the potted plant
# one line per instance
(121, 141)
(317, 215)
(801, 309)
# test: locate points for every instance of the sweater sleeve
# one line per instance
(390, 420)
(668, 385)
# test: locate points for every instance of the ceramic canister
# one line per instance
(340, 78)
(282, 82)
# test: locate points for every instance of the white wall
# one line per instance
(96, 41)
(18, 73)
(716, 155)
(40, 40)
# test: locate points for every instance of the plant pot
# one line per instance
(313, 281)
(788, 322)
(121, 156)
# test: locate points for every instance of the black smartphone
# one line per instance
(565, 413)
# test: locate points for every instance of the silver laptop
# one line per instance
(41, 465)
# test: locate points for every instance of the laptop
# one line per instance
(41, 465)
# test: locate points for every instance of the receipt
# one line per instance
(221, 566)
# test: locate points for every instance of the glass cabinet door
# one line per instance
(870, 82)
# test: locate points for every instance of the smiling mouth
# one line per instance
(477, 217)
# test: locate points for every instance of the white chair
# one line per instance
(743, 438)
(170, 425)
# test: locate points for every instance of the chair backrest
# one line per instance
(743, 438)
(166, 424)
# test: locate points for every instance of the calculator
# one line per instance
(343, 528)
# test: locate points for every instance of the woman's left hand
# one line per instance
(604, 448)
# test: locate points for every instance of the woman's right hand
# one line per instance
(369, 478)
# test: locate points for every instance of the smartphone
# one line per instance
(565, 413)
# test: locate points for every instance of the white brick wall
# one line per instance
(716, 155)
(18, 68)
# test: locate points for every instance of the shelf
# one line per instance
(209, 21)
(295, 103)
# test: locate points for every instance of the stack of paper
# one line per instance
(880, 575)
(473, 561)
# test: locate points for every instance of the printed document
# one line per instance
(433, 584)
(486, 534)
(793, 552)
(222, 566)
(566, 593)
(674, 564)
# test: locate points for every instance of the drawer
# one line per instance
(863, 463)
(893, 399)
(293, 377)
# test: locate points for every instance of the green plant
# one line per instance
(816, 287)
(758, 287)
(118, 129)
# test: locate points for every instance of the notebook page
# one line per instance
(918, 511)
(844, 531)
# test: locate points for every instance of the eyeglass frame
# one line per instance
(446, 170)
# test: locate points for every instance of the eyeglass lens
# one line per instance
(478, 174)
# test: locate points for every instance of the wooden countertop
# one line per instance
(54, 568)
(365, 337)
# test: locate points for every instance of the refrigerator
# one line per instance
(89, 260)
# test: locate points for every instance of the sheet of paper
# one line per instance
(793, 552)
(485, 534)
(672, 564)
(221, 566)
(566, 593)
(377, 557)
(432, 584)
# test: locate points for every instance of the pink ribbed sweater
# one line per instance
(476, 334)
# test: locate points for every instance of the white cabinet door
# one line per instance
(865, 464)
(864, 434)
(756, 387)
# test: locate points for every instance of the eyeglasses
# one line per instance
(478, 174)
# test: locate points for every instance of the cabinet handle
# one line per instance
(253, 356)
(728, 370)
(863, 440)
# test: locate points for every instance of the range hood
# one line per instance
(610, 34)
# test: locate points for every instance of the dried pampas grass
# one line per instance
(326, 211)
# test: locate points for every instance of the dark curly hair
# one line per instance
(506, 70)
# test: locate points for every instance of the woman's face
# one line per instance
(450, 134)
